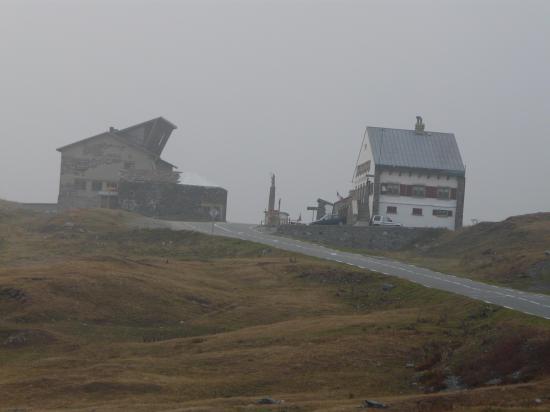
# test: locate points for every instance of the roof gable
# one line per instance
(88, 139)
(150, 137)
(152, 134)
(407, 148)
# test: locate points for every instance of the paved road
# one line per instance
(530, 303)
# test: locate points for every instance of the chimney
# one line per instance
(419, 126)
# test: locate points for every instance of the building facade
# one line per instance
(92, 168)
(416, 177)
(94, 171)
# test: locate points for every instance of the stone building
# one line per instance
(117, 168)
(415, 176)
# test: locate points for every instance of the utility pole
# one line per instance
(213, 214)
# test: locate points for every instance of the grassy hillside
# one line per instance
(95, 316)
(514, 252)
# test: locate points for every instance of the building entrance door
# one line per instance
(109, 202)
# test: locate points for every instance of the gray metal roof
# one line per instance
(406, 148)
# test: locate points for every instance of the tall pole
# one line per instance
(271, 204)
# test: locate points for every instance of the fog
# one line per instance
(281, 86)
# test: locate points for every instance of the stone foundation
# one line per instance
(361, 237)
(173, 201)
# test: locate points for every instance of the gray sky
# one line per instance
(284, 86)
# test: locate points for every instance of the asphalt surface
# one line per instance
(530, 303)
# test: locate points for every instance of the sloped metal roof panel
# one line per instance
(406, 148)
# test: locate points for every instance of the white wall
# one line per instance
(405, 204)
(365, 154)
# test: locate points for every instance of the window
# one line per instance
(442, 213)
(97, 185)
(419, 191)
(363, 168)
(112, 187)
(417, 211)
(391, 210)
(129, 165)
(80, 184)
(82, 164)
(389, 189)
(453, 194)
(443, 192)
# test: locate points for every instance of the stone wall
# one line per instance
(361, 237)
(173, 201)
(93, 166)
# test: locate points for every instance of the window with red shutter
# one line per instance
(431, 191)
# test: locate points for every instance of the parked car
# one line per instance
(379, 220)
(329, 220)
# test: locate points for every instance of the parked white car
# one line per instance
(379, 220)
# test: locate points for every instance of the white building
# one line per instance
(416, 177)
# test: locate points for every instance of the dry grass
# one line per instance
(96, 317)
(511, 252)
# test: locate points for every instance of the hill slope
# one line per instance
(95, 316)
(514, 252)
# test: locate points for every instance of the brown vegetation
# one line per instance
(95, 316)
(514, 252)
